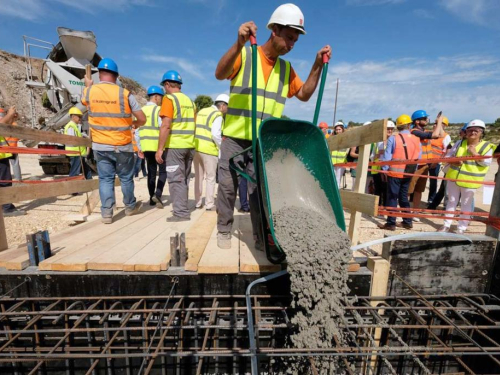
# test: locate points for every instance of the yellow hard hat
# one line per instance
(445, 120)
(75, 111)
(403, 120)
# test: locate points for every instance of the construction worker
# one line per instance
(402, 146)
(420, 120)
(324, 128)
(474, 171)
(177, 141)
(149, 135)
(208, 121)
(439, 146)
(14, 160)
(286, 25)
(8, 209)
(380, 184)
(339, 156)
(110, 109)
(77, 162)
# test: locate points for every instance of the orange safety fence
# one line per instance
(36, 151)
(424, 210)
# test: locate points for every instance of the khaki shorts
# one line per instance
(417, 184)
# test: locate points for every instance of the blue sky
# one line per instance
(391, 56)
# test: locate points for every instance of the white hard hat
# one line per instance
(222, 98)
(367, 123)
(391, 124)
(476, 123)
(339, 123)
(288, 15)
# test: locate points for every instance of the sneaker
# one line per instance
(444, 229)
(176, 219)
(224, 240)
(198, 206)
(387, 227)
(416, 219)
(158, 202)
(107, 220)
(243, 211)
(152, 202)
(404, 225)
(135, 210)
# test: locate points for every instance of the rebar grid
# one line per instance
(209, 334)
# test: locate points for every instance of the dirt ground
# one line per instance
(50, 214)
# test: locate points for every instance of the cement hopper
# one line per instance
(80, 45)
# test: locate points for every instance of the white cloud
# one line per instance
(185, 66)
(423, 13)
(463, 87)
(481, 12)
(25, 9)
(373, 2)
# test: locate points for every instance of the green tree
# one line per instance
(497, 122)
(203, 101)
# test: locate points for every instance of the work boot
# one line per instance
(176, 219)
(404, 225)
(387, 226)
(224, 240)
(107, 220)
(135, 210)
(444, 229)
(158, 202)
(152, 202)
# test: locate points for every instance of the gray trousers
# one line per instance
(179, 161)
(16, 167)
(228, 186)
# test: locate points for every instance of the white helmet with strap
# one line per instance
(476, 123)
(288, 15)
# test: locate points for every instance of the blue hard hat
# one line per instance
(419, 114)
(171, 75)
(155, 90)
(108, 64)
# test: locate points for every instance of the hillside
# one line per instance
(13, 91)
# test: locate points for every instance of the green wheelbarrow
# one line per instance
(292, 167)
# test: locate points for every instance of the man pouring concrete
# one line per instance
(276, 82)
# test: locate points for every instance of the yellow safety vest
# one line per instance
(470, 169)
(203, 137)
(149, 133)
(183, 125)
(3, 143)
(376, 168)
(339, 156)
(81, 149)
(271, 97)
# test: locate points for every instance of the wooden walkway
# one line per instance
(142, 243)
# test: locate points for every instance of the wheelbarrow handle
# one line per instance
(238, 170)
(326, 59)
(253, 40)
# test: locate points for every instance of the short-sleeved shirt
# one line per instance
(295, 83)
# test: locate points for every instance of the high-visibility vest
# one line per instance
(339, 156)
(81, 149)
(378, 154)
(110, 116)
(149, 133)
(437, 146)
(12, 141)
(203, 141)
(134, 142)
(3, 143)
(426, 146)
(183, 126)
(271, 97)
(470, 169)
(412, 148)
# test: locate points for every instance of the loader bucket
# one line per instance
(295, 169)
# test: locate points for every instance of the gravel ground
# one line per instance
(49, 214)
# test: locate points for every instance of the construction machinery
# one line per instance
(61, 79)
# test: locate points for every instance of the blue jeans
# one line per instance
(397, 191)
(76, 167)
(109, 164)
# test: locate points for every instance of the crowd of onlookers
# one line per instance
(411, 138)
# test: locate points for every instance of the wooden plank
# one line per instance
(78, 260)
(362, 135)
(47, 190)
(90, 203)
(251, 259)
(197, 238)
(226, 261)
(4, 245)
(380, 277)
(156, 255)
(114, 258)
(359, 187)
(42, 136)
(364, 203)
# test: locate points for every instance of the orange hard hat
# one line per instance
(2, 110)
(323, 125)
